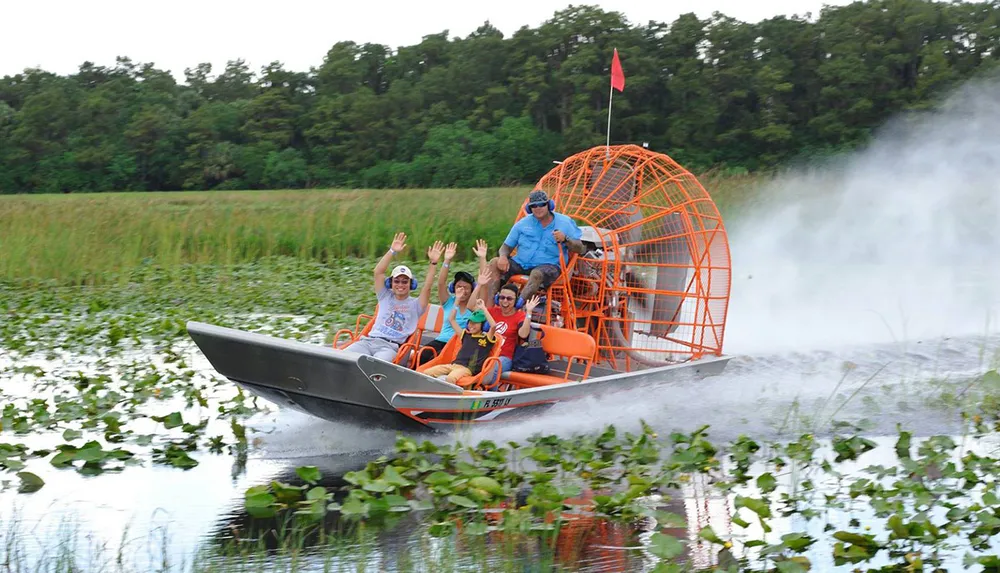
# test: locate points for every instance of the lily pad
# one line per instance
(29, 482)
(665, 546)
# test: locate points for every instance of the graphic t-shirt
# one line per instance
(507, 328)
(396, 319)
(462, 318)
(474, 351)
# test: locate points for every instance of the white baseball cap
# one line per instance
(402, 270)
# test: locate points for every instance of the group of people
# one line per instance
(478, 309)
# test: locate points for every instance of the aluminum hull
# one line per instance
(362, 390)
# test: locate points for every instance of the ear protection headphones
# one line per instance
(552, 207)
(451, 285)
(388, 283)
(486, 326)
(518, 302)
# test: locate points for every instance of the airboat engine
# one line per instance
(653, 286)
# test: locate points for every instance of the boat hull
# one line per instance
(362, 390)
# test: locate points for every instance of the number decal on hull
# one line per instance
(494, 403)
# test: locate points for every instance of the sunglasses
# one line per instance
(533, 205)
(505, 297)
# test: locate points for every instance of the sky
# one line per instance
(59, 35)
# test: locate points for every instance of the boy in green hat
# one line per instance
(477, 341)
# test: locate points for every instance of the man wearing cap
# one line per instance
(398, 312)
(537, 239)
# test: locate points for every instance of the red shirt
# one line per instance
(507, 328)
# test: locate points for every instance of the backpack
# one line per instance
(529, 356)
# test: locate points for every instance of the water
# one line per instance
(154, 511)
(865, 290)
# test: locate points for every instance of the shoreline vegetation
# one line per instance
(93, 239)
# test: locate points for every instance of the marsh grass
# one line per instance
(78, 239)
(87, 239)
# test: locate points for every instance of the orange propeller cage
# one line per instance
(654, 287)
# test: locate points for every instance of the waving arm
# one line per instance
(433, 255)
(442, 283)
(398, 244)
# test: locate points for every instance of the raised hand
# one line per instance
(531, 304)
(434, 251)
(480, 249)
(398, 242)
(480, 305)
(486, 276)
(449, 252)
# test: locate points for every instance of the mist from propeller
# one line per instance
(897, 242)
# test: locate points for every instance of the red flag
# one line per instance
(617, 75)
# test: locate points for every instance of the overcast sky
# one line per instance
(59, 35)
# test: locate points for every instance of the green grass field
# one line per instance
(89, 239)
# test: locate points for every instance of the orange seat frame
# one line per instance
(558, 290)
(569, 344)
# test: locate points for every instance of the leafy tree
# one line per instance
(285, 169)
(491, 110)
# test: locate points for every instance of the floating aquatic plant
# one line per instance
(937, 502)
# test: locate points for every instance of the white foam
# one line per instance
(898, 241)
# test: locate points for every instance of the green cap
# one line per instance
(477, 316)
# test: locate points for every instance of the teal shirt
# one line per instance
(462, 318)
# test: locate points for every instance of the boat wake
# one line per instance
(872, 387)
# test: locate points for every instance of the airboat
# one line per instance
(646, 304)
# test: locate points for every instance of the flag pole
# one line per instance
(607, 143)
(617, 82)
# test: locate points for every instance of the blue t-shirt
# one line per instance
(462, 318)
(535, 244)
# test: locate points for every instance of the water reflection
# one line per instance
(157, 515)
(590, 544)
(397, 542)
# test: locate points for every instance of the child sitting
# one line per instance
(476, 342)
(529, 356)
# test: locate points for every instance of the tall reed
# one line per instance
(86, 239)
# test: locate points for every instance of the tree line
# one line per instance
(489, 110)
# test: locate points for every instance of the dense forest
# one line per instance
(492, 110)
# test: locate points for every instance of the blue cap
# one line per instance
(538, 196)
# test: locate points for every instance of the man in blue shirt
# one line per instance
(537, 239)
